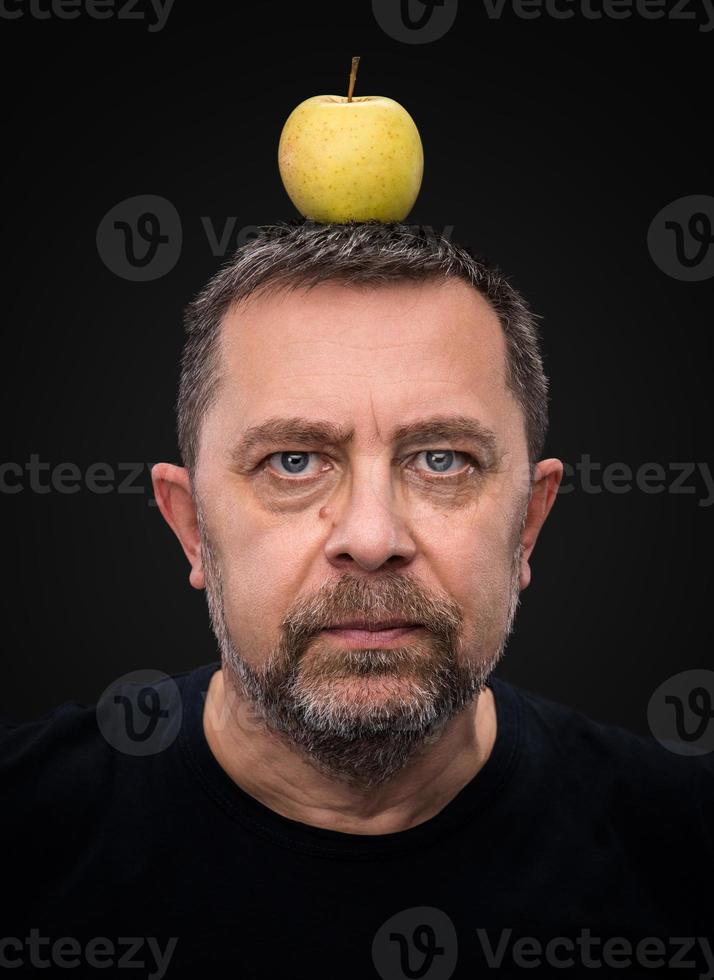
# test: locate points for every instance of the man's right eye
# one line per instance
(290, 463)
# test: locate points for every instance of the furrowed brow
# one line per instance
(294, 431)
(286, 431)
(448, 428)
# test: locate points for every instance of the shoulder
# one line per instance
(60, 755)
(66, 732)
(75, 754)
(608, 761)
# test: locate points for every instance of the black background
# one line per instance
(549, 146)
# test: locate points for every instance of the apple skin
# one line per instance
(351, 161)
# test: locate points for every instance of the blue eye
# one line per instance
(295, 462)
(441, 459)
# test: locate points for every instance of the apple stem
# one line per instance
(353, 77)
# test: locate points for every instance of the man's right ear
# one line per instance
(172, 490)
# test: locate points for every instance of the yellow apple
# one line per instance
(351, 159)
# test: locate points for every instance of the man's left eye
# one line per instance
(441, 460)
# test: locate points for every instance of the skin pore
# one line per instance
(362, 521)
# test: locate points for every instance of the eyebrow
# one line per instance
(317, 432)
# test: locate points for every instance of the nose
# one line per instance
(368, 527)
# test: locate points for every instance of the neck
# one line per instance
(281, 778)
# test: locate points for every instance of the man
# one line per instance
(350, 792)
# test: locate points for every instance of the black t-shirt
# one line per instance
(576, 844)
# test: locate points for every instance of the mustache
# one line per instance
(395, 597)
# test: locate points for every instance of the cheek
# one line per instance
(475, 563)
(262, 566)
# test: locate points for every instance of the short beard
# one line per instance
(360, 715)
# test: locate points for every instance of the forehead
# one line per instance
(337, 351)
(381, 330)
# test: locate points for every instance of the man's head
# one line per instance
(361, 413)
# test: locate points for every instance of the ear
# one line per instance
(172, 489)
(546, 480)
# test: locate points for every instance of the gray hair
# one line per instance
(304, 253)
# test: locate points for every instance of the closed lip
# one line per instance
(385, 624)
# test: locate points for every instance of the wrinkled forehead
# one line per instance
(424, 335)
(376, 366)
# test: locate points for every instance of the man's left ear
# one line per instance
(546, 480)
(172, 489)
